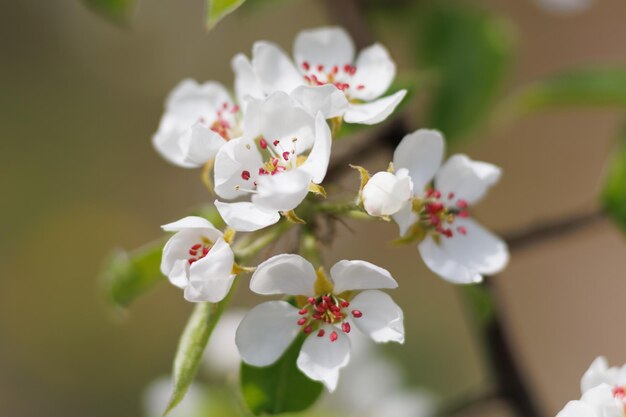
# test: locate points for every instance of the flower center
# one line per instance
(275, 157)
(339, 76)
(326, 309)
(227, 122)
(619, 393)
(199, 250)
(438, 218)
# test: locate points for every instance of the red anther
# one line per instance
(307, 78)
(434, 207)
(464, 214)
(345, 304)
(254, 183)
(461, 230)
(245, 175)
(450, 196)
(337, 314)
(321, 308)
(225, 105)
(263, 143)
(196, 246)
(191, 261)
(436, 194)
(301, 321)
(333, 336)
(306, 66)
(311, 300)
(346, 68)
(276, 142)
(235, 109)
(326, 299)
(316, 316)
(262, 171)
(205, 250)
(619, 392)
(335, 309)
(345, 326)
(303, 311)
(320, 333)
(357, 313)
(286, 156)
(461, 204)
(314, 79)
(447, 233)
(429, 192)
(360, 87)
(335, 69)
(434, 219)
(307, 329)
(274, 161)
(193, 252)
(320, 68)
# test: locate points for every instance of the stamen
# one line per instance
(245, 175)
(321, 333)
(462, 204)
(303, 311)
(333, 336)
(307, 329)
(306, 66)
(263, 143)
(345, 327)
(302, 321)
(461, 230)
(357, 314)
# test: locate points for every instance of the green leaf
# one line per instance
(613, 196)
(119, 11)
(218, 9)
(581, 87)
(190, 348)
(470, 52)
(128, 275)
(279, 388)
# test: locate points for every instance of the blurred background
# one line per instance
(79, 100)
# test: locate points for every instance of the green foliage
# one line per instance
(470, 52)
(218, 9)
(128, 275)
(279, 388)
(582, 87)
(118, 11)
(190, 348)
(614, 192)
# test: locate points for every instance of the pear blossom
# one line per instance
(327, 310)
(283, 150)
(198, 120)
(387, 193)
(198, 260)
(451, 244)
(603, 391)
(323, 57)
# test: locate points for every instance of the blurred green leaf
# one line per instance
(218, 9)
(582, 87)
(470, 51)
(118, 11)
(614, 193)
(279, 388)
(128, 275)
(190, 348)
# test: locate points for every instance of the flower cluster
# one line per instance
(269, 149)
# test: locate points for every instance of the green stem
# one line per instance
(309, 248)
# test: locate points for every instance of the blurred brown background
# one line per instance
(79, 100)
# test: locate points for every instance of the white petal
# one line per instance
(327, 98)
(283, 191)
(232, 159)
(211, 277)
(167, 140)
(280, 117)
(200, 145)
(385, 193)
(316, 163)
(577, 409)
(321, 359)
(405, 218)
(463, 259)
(375, 111)
(598, 373)
(266, 332)
(197, 100)
(189, 222)
(421, 152)
(375, 71)
(247, 83)
(274, 68)
(600, 399)
(284, 274)
(360, 275)
(178, 273)
(327, 46)
(245, 216)
(468, 180)
(382, 318)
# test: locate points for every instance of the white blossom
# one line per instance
(387, 193)
(282, 151)
(198, 259)
(324, 58)
(328, 309)
(198, 120)
(452, 245)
